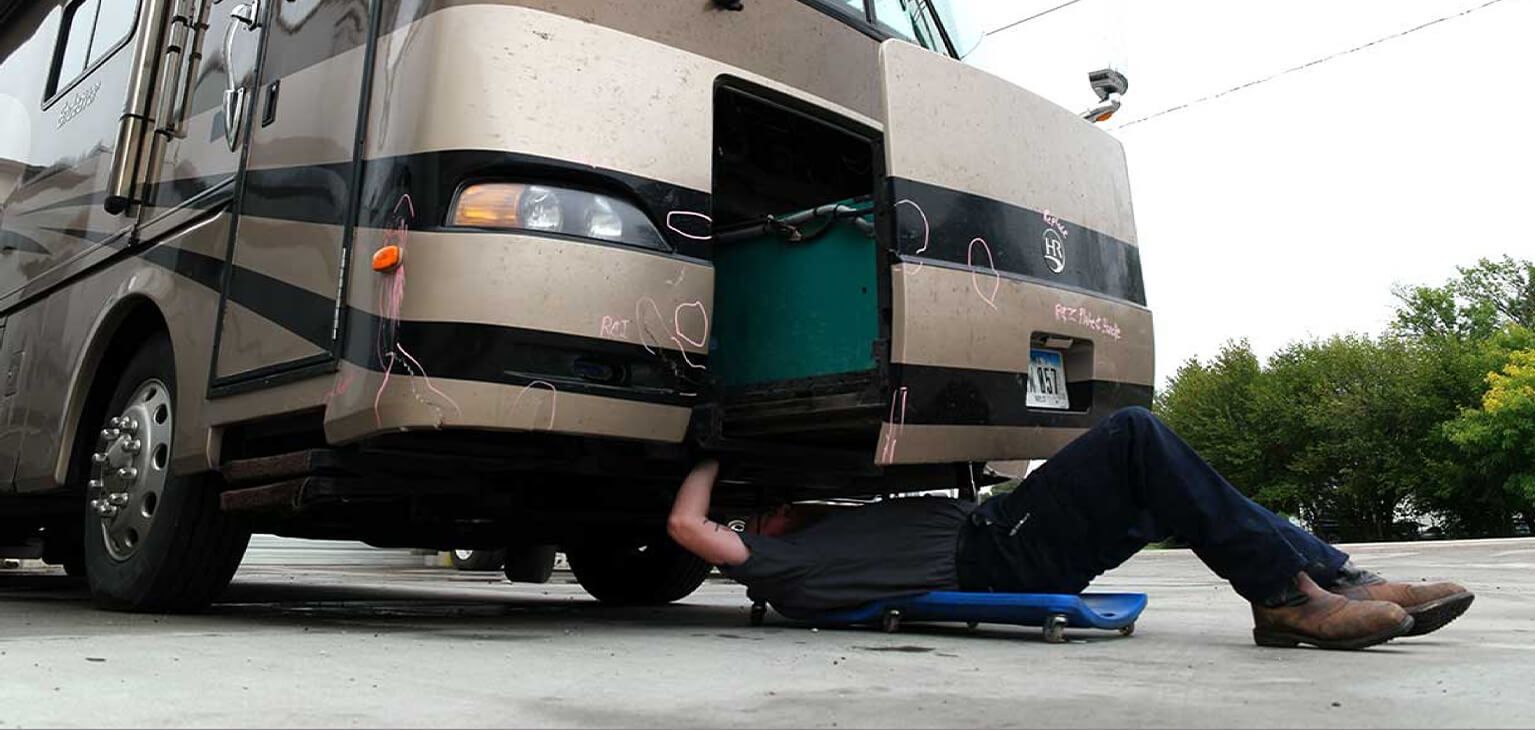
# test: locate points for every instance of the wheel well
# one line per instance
(117, 339)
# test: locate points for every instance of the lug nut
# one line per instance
(99, 457)
(110, 434)
(128, 473)
(107, 510)
(118, 499)
(130, 425)
(133, 446)
(94, 484)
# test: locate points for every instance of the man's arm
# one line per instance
(690, 526)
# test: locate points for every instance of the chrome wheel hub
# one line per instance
(128, 469)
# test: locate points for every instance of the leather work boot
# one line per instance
(1431, 605)
(1307, 614)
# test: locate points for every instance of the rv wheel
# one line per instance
(477, 559)
(652, 572)
(529, 563)
(154, 540)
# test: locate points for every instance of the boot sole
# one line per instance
(1289, 640)
(1433, 615)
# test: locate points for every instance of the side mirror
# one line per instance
(1109, 85)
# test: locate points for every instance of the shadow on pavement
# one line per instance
(404, 608)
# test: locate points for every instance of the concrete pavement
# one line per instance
(374, 638)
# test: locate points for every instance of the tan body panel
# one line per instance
(945, 320)
(935, 444)
(942, 318)
(785, 40)
(531, 282)
(361, 404)
(304, 255)
(439, 92)
(548, 284)
(82, 318)
(1000, 141)
(1014, 223)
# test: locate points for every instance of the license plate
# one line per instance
(1047, 380)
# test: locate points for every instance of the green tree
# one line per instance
(1466, 329)
(1472, 307)
(1211, 407)
(1436, 417)
(1346, 425)
(1498, 437)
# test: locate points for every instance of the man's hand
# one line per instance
(689, 524)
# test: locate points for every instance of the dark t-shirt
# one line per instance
(898, 547)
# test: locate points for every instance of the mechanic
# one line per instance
(1127, 482)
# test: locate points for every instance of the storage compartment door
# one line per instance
(1015, 268)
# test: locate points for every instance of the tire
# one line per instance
(477, 560)
(652, 573)
(172, 552)
(529, 563)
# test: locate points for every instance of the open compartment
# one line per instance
(801, 301)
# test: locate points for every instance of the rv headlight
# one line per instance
(602, 221)
(544, 208)
(540, 209)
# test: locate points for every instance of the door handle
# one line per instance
(246, 16)
(248, 13)
(234, 116)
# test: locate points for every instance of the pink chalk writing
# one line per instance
(391, 296)
(675, 217)
(614, 328)
(339, 386)
(639, 316)
(678, 329)
(1054, 222)
(897, 423)
(1084, 317)
(702, 314)
(996, 279)
(926, 231)
(554, 401)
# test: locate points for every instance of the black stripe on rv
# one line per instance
(978, 233)
(515, 356)
(456, 350)
(318, 193)
(13, 241)
(966, 397)
(1014, 236)
(433, 179)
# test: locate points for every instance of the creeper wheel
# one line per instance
(1055, 629)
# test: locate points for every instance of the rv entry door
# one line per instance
(299, 107)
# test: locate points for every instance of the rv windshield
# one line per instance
(962, 20)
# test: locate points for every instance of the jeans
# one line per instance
(1127, 482)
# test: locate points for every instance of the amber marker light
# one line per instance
(387, 259)
(489, 205)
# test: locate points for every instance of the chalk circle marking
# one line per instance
(671, 224)
(926, 231)
(991, 265)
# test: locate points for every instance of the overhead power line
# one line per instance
(1016, 23)
(1304, 66)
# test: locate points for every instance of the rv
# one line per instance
(492, 274)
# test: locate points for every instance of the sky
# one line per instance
(1289, 210)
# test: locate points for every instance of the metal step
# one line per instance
(297, 495)
(270, 469)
